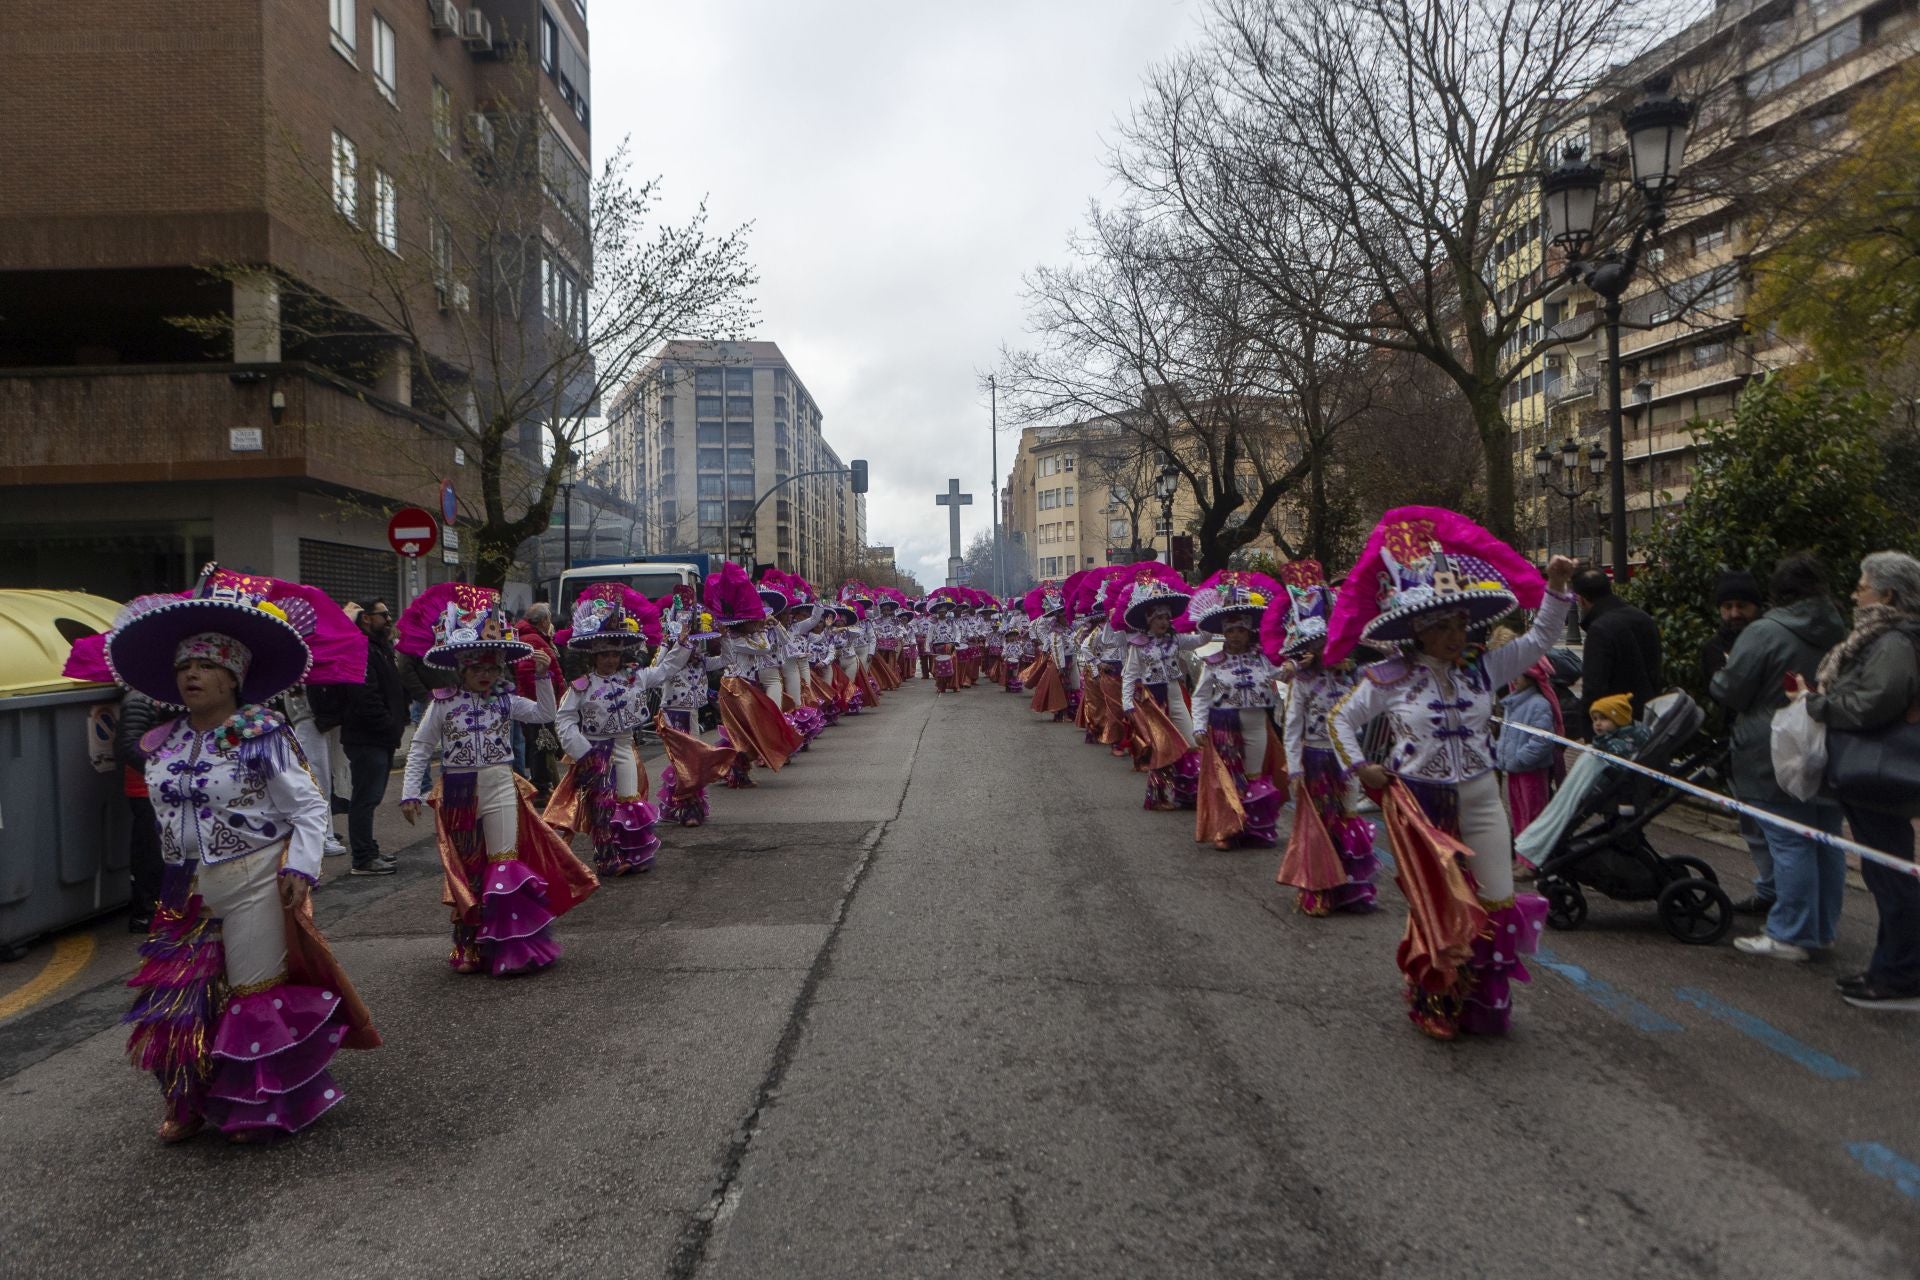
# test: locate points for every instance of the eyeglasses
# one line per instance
(378, 613)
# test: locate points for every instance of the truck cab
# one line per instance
(651, 576)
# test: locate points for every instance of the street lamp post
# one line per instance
(744, 546)
(1656, 128)
(566, 516)
(993, 430)
(1165, 485)
(1543, 460)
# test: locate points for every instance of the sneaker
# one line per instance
(1753, 905)
(381, 866)
(1765, 944)
(333, 846)
(1850, 982)
(140, 922)
(1871, 995)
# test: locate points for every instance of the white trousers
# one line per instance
(1486, 829)
(1177, 711)
(245, 894)
(1253, 731)
(497, 808)
(626, 769)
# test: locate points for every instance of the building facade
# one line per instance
(1686, 346)
(704, 433)
(144, 144)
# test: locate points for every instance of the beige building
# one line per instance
(703, 432)
(1082, 495)
(1686, 346)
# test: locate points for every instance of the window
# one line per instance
(384, 73)
(740, 382)
(1067, 462)
(1827, 47)
(740, 433)
(706, 406)
(707, 380)
(1067, 499)
(712, 459)
(386, 214)
(441, 246)
(345, 37)
(443, 120)
(709, 433)
(713, 487)
(1117, 530)
(740, 462)
(549, 43)
(346, 177)
(1710, 238)
(1070, 533)
(564, 300)
(713, 513)
(740, 487)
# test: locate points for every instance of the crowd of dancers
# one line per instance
(1230, 697)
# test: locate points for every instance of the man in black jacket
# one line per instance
(372, 717)
(1622, 654)
(138, 714)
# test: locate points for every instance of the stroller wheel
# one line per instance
(1694, 867)
(1566, 905)
(1696, 911)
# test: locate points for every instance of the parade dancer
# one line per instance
(922, 621)
(1323, 822)
(1016, 652)
(798, 613)
(1428, 579)
(241, 1006)
(752, 722)
(692, 765)
(508, 875)
(1233, 704)
(943, 641)
(1042, 672)
(1163, 727)
(605, 790)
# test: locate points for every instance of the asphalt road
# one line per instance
(941, 999)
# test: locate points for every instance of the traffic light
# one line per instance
(859, 468)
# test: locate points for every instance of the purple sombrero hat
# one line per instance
(259, 641)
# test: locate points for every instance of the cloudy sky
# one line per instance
(903, 164)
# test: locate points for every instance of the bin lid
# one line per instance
(36, 630)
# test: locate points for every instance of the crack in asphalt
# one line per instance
(690, 1251)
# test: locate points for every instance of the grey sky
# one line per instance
(904, 163)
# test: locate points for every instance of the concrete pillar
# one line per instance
(256, 321)
(394, 378)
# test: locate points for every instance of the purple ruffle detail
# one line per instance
(806, 722)
(673, 809)
(270, 1058)
(1512, 932)
(1262, 803)
(631, 842)
(515, 932)
(1352, 839)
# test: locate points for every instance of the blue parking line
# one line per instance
(1883, 1161)
(1637, 1015)
(1822, 1065)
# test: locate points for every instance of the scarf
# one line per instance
(1870, 622)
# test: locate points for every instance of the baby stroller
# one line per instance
(1605, 846)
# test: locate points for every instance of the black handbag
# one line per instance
(1879, 768)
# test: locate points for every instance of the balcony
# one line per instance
(195, 423)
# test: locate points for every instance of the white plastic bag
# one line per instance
(1799, 750)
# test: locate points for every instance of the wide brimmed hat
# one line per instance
(732, 597)
(1153, 586)
(1423, 562)
(601, 625)
(1229, 594)
(1310, 604)
(845, 613)
(457, 624)
(147, 637)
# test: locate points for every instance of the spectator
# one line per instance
(1871, 680)
(310, 731)
(1736, 596)
(138, 714)
(535, 627)
(372, 717)
(1622, 653)
(1809, 878)
(1527, 760)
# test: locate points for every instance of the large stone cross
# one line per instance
(953, 500)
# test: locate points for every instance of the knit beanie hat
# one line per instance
(1736, 584)
(1616, 707)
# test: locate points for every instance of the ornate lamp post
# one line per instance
(1165, 485)
(1656, 128)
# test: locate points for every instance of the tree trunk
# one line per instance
(1496, 450)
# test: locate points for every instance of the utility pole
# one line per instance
(993, 420)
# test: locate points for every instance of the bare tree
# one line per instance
(496, 287)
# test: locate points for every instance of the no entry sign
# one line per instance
(412, 531)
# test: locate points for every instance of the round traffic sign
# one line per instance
(412, 531)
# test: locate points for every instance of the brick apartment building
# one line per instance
(143, 145)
